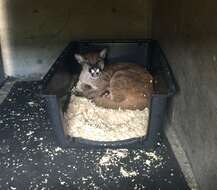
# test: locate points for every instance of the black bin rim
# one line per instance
(66, 141)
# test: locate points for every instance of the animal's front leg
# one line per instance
(106, 94)
(87, 91)
(80, 88)
(91, 93)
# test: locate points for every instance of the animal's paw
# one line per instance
(76, 92)
(90, 94)
(106, 94)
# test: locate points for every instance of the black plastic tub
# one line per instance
(57, 85)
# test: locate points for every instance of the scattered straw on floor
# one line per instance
(85, 120)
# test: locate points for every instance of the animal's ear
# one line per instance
(80, 59)
(102, 53)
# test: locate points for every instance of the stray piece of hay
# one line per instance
(87, 121)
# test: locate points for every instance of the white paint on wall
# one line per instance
(5, 39)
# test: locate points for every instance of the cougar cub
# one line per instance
(115, 85)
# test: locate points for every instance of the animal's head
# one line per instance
(93, 63)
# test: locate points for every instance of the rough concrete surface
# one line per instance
(182, 158)
(1, 69)
(188, 34)
(33, 33)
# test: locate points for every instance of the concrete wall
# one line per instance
(1, 70)
(187, 31)
(33, 33)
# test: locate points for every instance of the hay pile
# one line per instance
(85, 120)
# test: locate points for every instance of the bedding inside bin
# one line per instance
(85, 120)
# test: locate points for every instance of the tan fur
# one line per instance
(130, 87)
(120, 85)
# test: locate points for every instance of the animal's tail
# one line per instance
(109, 103)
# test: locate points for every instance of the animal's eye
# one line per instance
(97, 70)
(92, 71)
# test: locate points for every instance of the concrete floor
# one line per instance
(31, 157)
(176, 147)
(181, 157)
